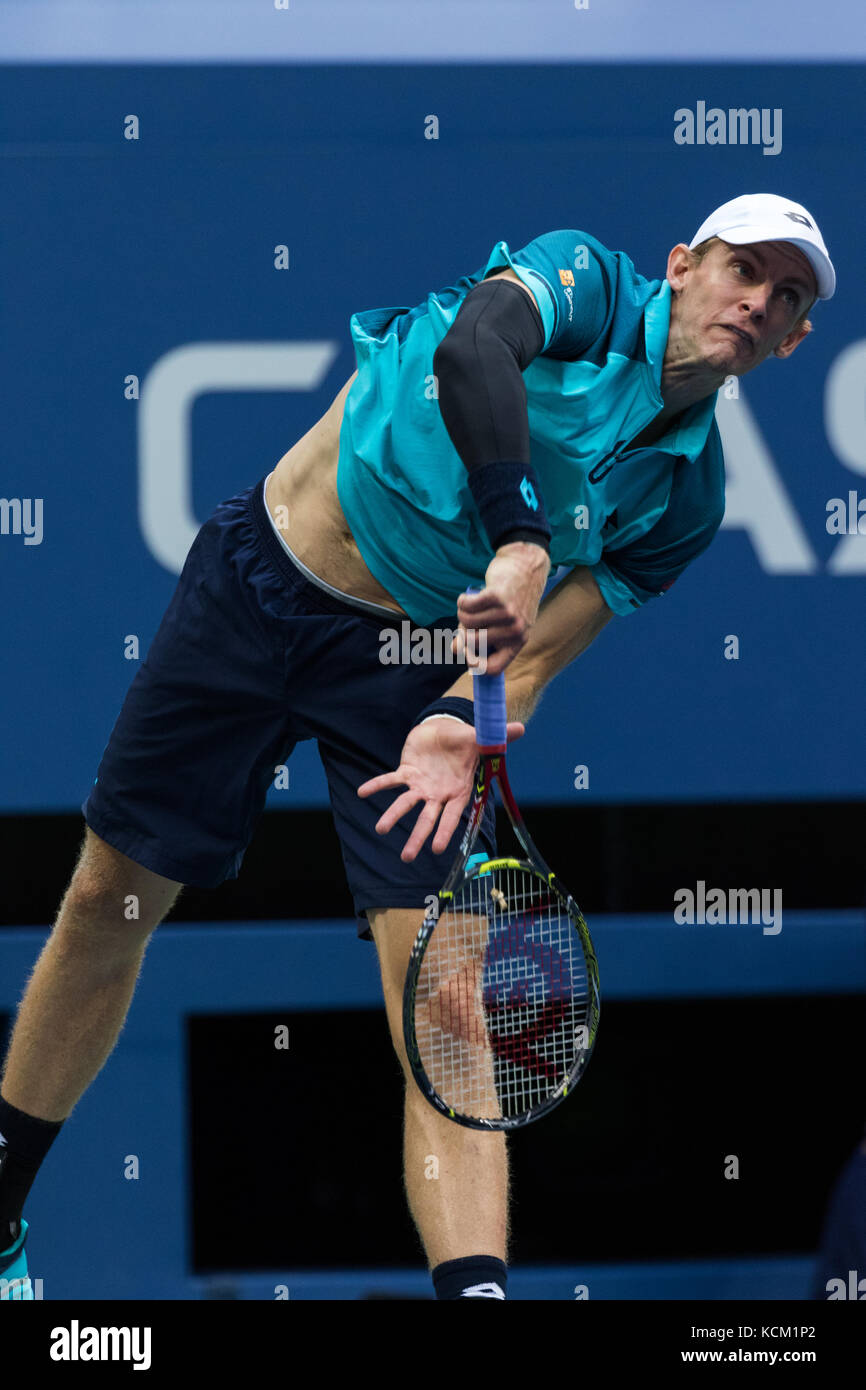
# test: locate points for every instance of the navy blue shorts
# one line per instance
(251, 658)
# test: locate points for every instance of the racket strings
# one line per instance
(502, 1007)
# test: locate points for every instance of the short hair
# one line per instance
(704, 247)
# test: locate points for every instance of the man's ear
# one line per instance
(793, 340)
(679, 262)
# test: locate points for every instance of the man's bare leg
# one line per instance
(463, 1210)
(80, 989)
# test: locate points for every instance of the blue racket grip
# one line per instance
(490, 715)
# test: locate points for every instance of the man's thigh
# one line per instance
(206, 720)
(394, 930)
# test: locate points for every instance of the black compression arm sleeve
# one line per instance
(482, 396)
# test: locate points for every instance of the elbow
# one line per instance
(450, 359)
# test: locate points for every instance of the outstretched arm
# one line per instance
(482, 399)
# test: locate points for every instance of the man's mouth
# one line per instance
(740, 333)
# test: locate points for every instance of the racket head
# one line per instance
(501, 1002)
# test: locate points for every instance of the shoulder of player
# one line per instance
(563, 247)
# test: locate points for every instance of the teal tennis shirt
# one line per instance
(634, 517)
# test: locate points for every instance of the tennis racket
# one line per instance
(501, 1002)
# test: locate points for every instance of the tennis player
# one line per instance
(552, 411)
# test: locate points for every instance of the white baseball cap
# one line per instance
(767, 217)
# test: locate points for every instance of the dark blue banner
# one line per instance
(156, 359)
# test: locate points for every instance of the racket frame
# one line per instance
(492, 769)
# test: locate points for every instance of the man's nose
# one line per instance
(756, 299)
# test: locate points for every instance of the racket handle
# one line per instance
(489, 700)
(490, 716)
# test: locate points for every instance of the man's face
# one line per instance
(742, 302)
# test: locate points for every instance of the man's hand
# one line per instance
(505, 608)
(437, 765)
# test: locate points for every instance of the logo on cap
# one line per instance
(798, 217)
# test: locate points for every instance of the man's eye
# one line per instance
(741, 265)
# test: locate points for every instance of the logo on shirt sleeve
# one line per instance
(566, 277)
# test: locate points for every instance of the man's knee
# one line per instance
(109, 890)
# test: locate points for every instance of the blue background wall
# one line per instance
(116, 253)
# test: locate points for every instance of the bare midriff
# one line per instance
(302, 499)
